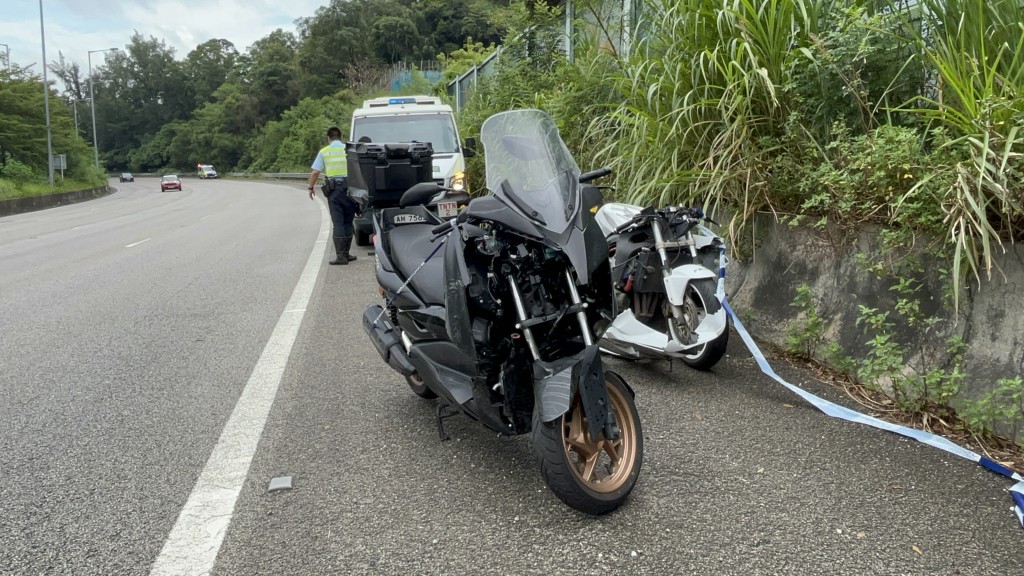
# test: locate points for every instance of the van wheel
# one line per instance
(362, 238)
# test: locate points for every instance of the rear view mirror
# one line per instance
(469, 149)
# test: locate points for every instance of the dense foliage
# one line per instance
(23, 159)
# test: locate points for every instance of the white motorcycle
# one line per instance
(666, 267)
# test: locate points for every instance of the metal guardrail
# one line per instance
(270, 175)
(281, 175)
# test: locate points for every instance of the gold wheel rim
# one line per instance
(603, 465)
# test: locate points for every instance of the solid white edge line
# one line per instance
(133, 244)
(192, 546)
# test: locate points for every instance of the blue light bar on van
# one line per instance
(401, 100)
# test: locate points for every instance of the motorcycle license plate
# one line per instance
(408, 219)
(447, 209)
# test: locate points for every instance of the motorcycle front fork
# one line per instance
(678, 313)
(525, 322)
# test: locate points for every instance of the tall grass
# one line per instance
(700, 92)
(976, 51)
(718, 92)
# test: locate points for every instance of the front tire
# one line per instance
(702, 299)
(708, 355)
(592, 477)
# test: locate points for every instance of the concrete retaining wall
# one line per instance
(19, 205)
(763, 288)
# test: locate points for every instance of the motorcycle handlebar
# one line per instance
(628, 223)
(594, 174)
(699, 215)
(442, 228)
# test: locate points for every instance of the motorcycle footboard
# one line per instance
(386, 340)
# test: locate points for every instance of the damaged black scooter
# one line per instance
(498, 311)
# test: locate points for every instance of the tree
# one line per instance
(396, 36)
(70, 74)
(448, 23)
(207, 66)
(291, 142)
(23, 129)
(137, 91)
(338, 35)
(268, 72)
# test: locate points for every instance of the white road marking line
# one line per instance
(137, 243)
(197, 535)
(205, 217)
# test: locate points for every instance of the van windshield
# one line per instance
(438, 129)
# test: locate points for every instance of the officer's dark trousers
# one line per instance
(343, 210)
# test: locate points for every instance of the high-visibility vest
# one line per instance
(335, 161)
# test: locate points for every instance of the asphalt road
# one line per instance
(121, 366)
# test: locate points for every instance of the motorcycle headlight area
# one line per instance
(458, 182)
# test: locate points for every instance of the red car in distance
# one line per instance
(170, 182)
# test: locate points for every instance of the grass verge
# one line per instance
(10, 191)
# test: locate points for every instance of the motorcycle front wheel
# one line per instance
(701, 300)
(594, 477)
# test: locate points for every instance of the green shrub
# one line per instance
(16, 171)
(805, 335)
(1003, 405)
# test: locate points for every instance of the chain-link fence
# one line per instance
(462, 87)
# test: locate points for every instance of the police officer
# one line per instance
(332, 162)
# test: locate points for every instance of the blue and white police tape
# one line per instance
(837, 411)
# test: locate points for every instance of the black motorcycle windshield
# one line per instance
(529, 167)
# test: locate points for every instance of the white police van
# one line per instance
(416, 119)
(205, 171)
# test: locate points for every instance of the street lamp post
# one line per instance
(46, 97)
(92, 104)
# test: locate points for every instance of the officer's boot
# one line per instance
(346, 244)
(340, 249)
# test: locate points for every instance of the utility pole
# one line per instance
(46, 97)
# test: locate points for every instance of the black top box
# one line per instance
(386, 171)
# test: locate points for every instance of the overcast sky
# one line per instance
(76, 26)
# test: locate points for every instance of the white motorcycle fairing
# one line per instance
(626, 331)
(680, 278)
(627, 334)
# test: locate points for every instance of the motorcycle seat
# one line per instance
(410, 245)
